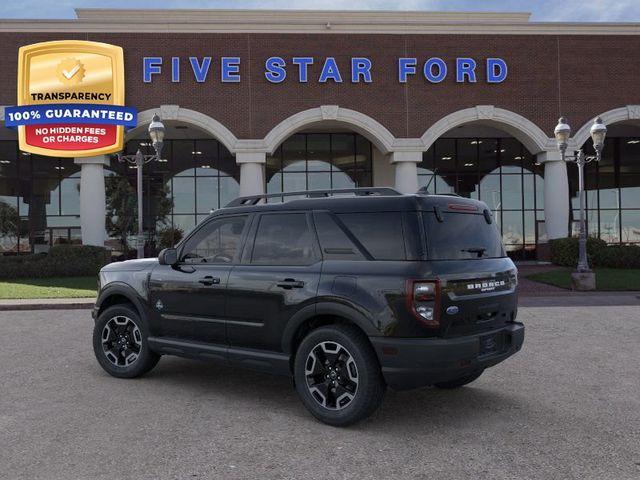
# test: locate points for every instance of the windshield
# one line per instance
(461, 236)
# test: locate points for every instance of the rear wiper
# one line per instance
(479, 250)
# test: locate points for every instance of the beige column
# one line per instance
(93, 208)
(251, 172)
(406, 171)
(556, 194)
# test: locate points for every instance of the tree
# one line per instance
(122, 207)
(9, 221)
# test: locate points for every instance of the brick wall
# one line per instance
(578, 76)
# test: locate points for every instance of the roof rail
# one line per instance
(359, 192)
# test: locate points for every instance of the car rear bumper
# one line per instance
(416, 362)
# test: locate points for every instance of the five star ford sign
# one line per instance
(71, 99)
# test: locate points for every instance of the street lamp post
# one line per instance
(156, 133)
(562, 133)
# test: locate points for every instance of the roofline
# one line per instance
(310, 21)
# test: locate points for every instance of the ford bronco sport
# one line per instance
(346, 294)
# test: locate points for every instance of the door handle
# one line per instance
(209, 280)
(289, 283)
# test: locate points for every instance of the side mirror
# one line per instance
(168, 256)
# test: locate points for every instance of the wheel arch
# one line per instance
(118, 293)
(320, 314)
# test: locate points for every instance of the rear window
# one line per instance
(380, 233)
(461, 236)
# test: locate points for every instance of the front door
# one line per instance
(189, 298)
(278, 276)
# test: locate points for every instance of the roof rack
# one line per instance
(359, 192)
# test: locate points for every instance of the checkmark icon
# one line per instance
(71, 73)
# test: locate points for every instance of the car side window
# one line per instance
(284, 239)
(217, 242)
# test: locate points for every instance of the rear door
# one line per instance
(189, 297)
(278, 276)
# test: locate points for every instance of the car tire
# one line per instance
(337, 375)
(459, 382)
(120, 343)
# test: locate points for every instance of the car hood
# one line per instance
(131, 265)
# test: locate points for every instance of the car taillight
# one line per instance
(513, 278)
(423, 297)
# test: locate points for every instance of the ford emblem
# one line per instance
(452, 310)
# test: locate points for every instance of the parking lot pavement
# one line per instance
(567, 406)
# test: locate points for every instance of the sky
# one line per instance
(542, 10)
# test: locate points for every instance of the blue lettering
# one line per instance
(360, 67)
(230, 70)
(330, 71)
(151, 66)
(303, 64)
(275, 69)
(200, 71)
(496, 70)
(428, 70)
(175, 69)
(406, 66)
(465, 67)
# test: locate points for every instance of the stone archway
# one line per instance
(521, 128)
(192, 117)
(363, 124)
(622, 114)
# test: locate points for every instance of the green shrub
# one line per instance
(61, 261)
(169, 237)
(564, 252)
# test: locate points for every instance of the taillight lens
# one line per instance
(513, 277)
(424, 301)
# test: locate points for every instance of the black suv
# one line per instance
(347, 291)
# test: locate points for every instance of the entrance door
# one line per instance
(190, 297)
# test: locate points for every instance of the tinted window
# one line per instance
(284, 239)
(380, 233)
(335, 243)
(216, 242)
(462, 236)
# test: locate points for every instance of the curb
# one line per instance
(46, 304)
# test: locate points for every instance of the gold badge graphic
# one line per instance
(70, 98)
(70, 71)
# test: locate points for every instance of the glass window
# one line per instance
(294, 153)
(445, 242)
(610, 226)
(207, 194)
(183, 190)
(284, 239)
(313, 161)
(445, 156)
(335, 243)
(512, 192)
(630, 226)
(216, 242)
(512, 228)
(380, 233)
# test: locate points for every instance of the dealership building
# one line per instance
(277, 101)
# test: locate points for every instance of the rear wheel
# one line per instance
(459, 382)
(120, 343)
(338, 376)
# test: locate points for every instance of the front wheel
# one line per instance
(459, 382)
(120, 343)
(337, 375)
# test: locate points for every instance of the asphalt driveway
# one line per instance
(567, 406)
